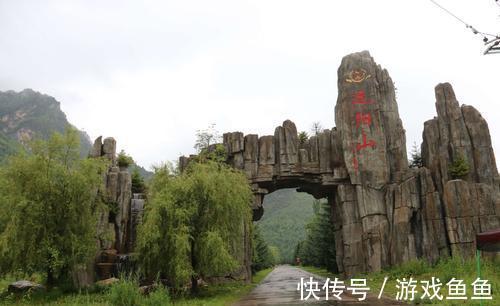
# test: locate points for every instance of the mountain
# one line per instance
(28, 114)
(286, 212)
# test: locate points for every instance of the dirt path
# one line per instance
(280, 288)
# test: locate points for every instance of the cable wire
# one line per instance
(474, 30)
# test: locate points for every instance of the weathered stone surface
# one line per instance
(109, 149)
(447, 138)
(96, 150)
(116, 225)
(469, 210)
(136, 211)
(251, 154)
(286, 147)
(122, 217)
(24, 286)
(107, 282)
(234, 142)
(383, 212)
(482, 151)
(368, 122)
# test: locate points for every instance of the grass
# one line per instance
(445, 270)
(124, 294)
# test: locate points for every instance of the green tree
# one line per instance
(459, 168)
(262, 256)
(138, 184)
(318, 249)
(303, 138)
(124, 160)
(48, 204)
(194, 223)
(416, 157)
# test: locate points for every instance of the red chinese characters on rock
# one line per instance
(359, 98)
(363, 119)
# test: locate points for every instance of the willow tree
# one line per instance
(48, 200)
(194, 223)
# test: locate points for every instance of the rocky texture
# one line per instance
(470, 204)
(117, 193)
(24, 286)
(107, 282)
(384, 213)
(117, 223)
(137, 209)
(28, 113)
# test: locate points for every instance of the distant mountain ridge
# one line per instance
(28, 114)
(286, 213)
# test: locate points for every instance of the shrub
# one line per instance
(303, 137)
(459, 168)
(159, 296)
(124, 160)
(138, 185)
(125, 293)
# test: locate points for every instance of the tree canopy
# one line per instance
(194, 222)
(48, 203)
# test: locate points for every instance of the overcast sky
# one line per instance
(150, 73)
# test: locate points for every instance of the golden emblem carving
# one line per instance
(357, 76)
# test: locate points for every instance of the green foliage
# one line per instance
(263, 256)
(8, 146)
(48, 205)
(124, 160)
(216, 153)
(159, 296)
(303, 137)
(318, 249)
(194, 222)
(125, 293)
(459, 168)
(286, 213)
(215, 295)
(138, 184)
(416, 158)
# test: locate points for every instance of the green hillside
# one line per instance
(28, 114)
(286, 213)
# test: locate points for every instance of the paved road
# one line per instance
(280, 288)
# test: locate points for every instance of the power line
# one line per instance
(492, 43)
(474, 30)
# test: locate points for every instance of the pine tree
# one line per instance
(318, 249)
(416, 157)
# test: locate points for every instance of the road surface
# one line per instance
(280, 288)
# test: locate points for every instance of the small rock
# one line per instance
(107, 282)
(24, 286)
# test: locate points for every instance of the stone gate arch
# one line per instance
(384, 212)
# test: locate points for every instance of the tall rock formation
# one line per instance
(117, 194)
(384, 212)
(471, 203)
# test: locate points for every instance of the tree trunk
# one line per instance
(51, 281)
(194, 278)
(194, 285)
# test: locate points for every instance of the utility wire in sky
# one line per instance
(492, 43)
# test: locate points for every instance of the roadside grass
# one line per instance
(125, 294)
(224, 294)
(420, 270)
